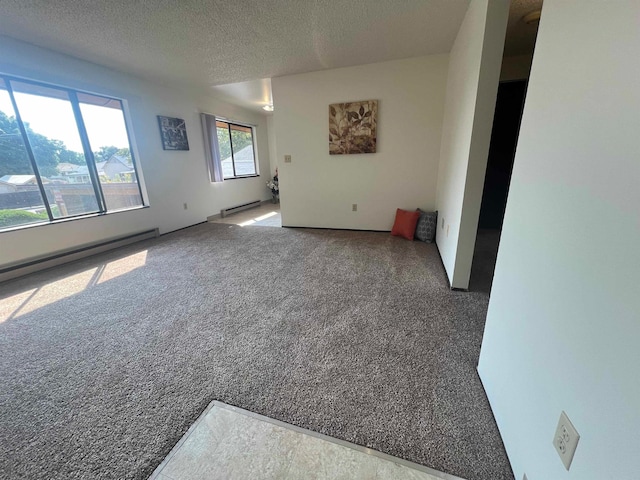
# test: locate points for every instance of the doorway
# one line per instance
(502, 150)
(522, 29)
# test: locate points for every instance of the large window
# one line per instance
(236, 150)
(63, 154)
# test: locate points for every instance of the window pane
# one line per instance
(243, 156)
(225, 149)
(55, 141)
(20, 199)
(107, 132)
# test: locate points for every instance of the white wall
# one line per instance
(272, 145)
(472, 85)
(563, 328)
(318, 189)
(171, 178)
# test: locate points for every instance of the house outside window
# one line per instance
(237, 150)
(63, 153)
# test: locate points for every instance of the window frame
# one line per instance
(233, 160)
(92, 168)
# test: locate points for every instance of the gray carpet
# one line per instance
(106, 362)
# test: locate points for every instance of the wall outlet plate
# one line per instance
(565, 440)
(287, 159)
(354, 207)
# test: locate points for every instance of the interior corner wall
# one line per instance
(563, 329)
(171, 178)
(472, 84)
(272, 146)
(318, 189)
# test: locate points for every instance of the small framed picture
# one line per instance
(174, 133)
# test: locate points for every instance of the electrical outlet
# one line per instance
(185, 206)
(354, 207)
(287, 159)
(566, 440)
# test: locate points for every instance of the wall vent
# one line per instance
(238, 208)
(25, 267)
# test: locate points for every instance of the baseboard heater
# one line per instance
(66, 256)
(238, 208)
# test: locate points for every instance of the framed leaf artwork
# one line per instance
(353, 127)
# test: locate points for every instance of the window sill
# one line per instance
(69, 219)
(242, 176)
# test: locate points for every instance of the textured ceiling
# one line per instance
(520, 40)
(252, 94)
(237, 46)
(205, 43)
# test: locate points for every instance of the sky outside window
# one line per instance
(70, 182)
(47, 121)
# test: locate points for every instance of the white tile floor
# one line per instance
(266, 215)
(229, 443)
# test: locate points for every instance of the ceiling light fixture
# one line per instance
(532, 17)
(268, 108)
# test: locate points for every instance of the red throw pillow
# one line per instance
(405, 224)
